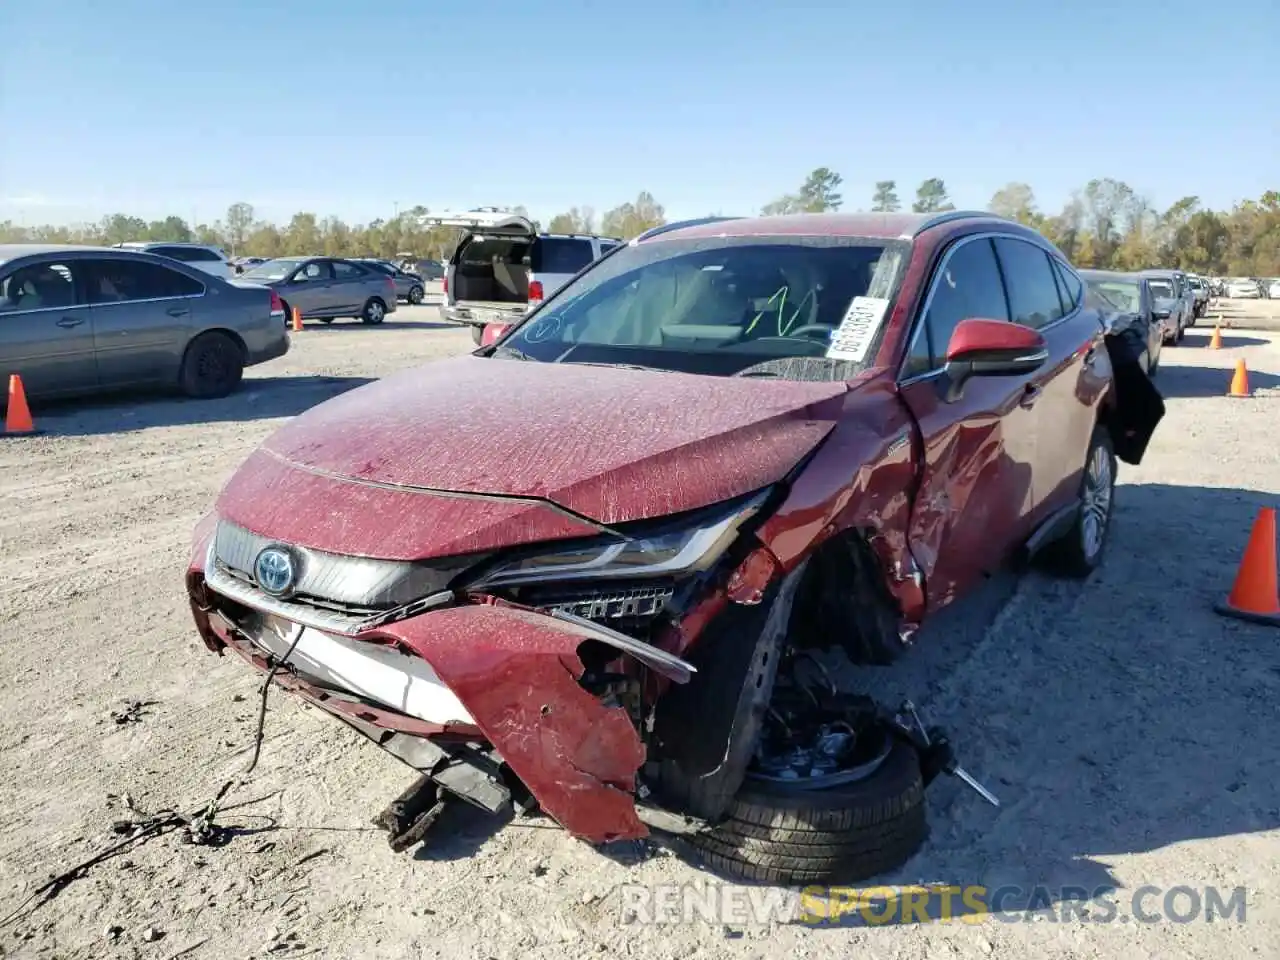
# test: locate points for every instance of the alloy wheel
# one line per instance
(1096, 509)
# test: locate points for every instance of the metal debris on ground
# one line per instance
(131, 712)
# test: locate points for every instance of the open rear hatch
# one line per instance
(487, 280)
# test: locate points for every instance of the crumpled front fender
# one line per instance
(517, 673)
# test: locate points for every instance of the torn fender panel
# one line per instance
(862, 478)
(517, 674)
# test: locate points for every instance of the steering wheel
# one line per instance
(809, 329)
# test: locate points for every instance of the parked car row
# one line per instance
(1252, 288)
(1127, 304)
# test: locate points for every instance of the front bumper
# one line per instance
(503, 675)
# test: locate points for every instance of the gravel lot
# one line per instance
(1128, 730)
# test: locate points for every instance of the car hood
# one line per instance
(605, 443)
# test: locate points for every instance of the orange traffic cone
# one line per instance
(297, 320)
(1240, 382)
(1215, 342)
(17, 418)
(1256, 596)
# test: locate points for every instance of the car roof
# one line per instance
(884, 226)
(1159, 272)
(15, 251)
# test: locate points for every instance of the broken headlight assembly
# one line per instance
(671, 548)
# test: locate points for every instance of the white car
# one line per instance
(1241, 289)
(1273, 291)
(209, 259)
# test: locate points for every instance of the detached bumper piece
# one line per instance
(410, 815)
(448, 774)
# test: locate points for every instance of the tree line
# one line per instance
(1105, 224)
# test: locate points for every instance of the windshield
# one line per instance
(1117, 295)
(721, 306)
(1161, 289)
(272, 270)
(379, 265)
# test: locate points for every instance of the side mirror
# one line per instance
(991, 348)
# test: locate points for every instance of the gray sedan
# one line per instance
(76, 320)
(326, 288)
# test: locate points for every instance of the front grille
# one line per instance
(350, 586)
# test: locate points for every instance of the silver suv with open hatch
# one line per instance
(503, 266)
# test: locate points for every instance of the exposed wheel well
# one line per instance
(843, 601)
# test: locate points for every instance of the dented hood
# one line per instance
(607, 443)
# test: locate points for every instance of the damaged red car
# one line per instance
(734, 460)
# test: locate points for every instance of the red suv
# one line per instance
(735, 444)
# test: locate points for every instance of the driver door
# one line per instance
(975, 498)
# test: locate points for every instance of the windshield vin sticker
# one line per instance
(861, 323)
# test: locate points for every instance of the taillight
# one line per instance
(445, 282)
(391, 285)
(535, 291)
(277, 305)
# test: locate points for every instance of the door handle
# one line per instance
(1030, 394)
(1090, 356)
(177, 311)
(69, 322)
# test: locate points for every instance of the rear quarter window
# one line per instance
(560, 255)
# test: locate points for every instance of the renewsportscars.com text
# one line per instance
(817, 906)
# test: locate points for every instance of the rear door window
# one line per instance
(1070, 286)
(121, 281)
(1029, 277)
(560, 255)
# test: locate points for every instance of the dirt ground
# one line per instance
(1130, 732)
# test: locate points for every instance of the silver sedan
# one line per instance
(76, 320)
(326, 288)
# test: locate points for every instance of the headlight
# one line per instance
(682, 550)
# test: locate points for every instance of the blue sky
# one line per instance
(351, 109)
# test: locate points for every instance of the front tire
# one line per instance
(846, 834)
(1080, 550)
(415, 295)
(212, 367)
(374, 312)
